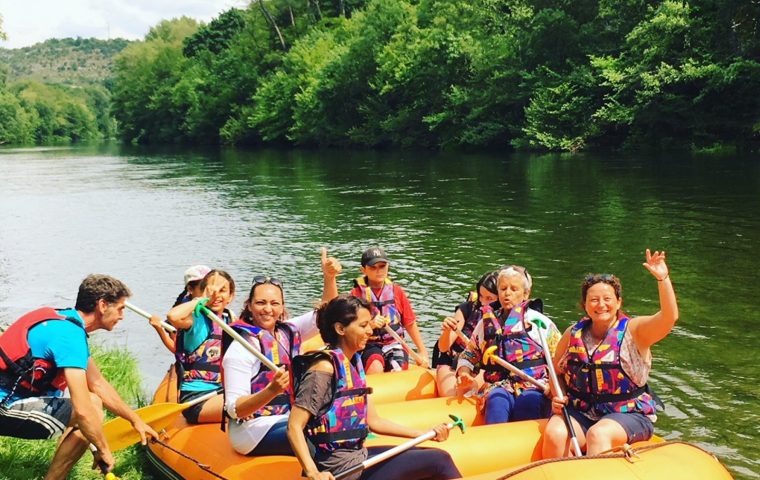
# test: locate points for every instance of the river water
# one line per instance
(444, 219)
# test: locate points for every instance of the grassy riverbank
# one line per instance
(24, 459)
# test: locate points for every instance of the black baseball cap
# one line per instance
(373, 255)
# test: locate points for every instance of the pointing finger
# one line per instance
(324, 255)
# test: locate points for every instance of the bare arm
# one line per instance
(246, 405)
(167, 339)
(181, 316)
(650, 329)
(87, 415)
(297, 421)
(448, 336)
(113, 402)
(331, 268)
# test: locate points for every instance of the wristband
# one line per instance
(663, 278)
(200, 305)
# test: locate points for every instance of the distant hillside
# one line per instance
(73, 61)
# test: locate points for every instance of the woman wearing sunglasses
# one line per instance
(511, 329)
(257, 400)
(606, 359)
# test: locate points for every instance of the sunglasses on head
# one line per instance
(263, 279)
(599, 277)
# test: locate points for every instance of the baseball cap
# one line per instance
(196, 272)
(373, 255)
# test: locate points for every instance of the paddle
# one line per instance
(457, 422)
(555, 386)
(232, 333)
(147, 315)
(417, 358)
(490, 357)
(120, 434)
(103, 466)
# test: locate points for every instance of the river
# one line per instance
(443, 218)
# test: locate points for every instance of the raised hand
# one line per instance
(331, 267)
(656, 265)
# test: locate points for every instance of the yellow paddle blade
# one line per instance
(120, 434)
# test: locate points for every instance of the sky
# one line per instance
(27, 22)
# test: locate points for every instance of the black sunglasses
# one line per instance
(262, 279)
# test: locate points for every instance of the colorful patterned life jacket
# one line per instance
(20, 373)
(598, 381)
(205, 362)
(472, 311)
(513, 344)
(343, 423)
(279, 352)
(384, 305)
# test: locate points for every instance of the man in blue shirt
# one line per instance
(43, 353)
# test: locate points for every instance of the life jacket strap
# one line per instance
(607, 397)
(354, 434)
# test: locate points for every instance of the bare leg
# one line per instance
(604, 435)
(71, 447)
(374, 366)
(446, 381)
(212, 410)
(557, 440)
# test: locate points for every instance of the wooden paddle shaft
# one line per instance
(517, 371)
(400, 340)
(390, 453)
(147, 315)
(558, 391)
(242, 341)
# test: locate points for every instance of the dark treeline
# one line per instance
(528, 74)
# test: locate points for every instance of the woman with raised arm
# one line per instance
(332, 408)
(605, 358)
(257, 400)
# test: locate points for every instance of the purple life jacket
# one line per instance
(280, 353)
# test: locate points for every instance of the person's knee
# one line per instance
(555, 438)
(604, 435)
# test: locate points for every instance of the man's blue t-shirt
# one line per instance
(60, 341)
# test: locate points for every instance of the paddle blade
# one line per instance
(120, 433)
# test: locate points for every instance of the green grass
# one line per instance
(28, 459)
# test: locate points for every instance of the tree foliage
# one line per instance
(526, 74)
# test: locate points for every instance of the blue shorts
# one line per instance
(638, 427)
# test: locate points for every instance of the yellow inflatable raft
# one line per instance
(510, 450)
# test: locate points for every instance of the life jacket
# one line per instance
(279, 352)
(472, 311)
(342, 423)
(384, 305)
(204, 363)
(598, 381)
(20, 373)
(515, 345)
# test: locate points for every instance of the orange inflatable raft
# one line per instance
(510, 450)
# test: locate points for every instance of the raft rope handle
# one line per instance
(634, 451)
(200, 465)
